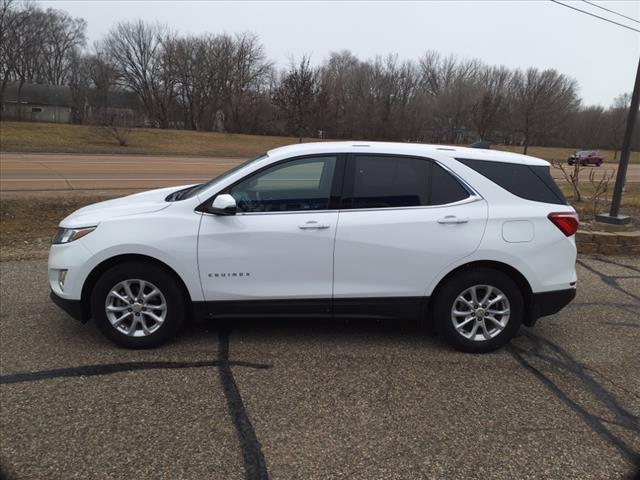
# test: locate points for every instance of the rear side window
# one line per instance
(444, 187)
(530, 182)
(384, 181)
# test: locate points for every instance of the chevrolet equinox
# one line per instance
(478, 242)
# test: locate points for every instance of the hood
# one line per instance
(144, 202)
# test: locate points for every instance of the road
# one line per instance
(306, 399)
(104, 172)
(29, 172)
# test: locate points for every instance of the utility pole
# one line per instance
(614, 216)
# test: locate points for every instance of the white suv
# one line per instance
(476, 241)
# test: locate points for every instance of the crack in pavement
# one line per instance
(255, 467)
(111, 368)
(553, 356)
(253, 459)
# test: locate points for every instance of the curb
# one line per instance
(608, 243)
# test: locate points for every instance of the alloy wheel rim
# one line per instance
(136, 307)
(480, 312)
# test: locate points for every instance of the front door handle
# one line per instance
(313, 225)
(452, 219)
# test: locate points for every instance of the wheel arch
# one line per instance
(98, 270)
(511, 272)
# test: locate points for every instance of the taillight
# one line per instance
(567, 222)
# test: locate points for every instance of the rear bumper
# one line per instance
(72, 307)
(548, 303)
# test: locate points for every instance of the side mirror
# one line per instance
(223, 204)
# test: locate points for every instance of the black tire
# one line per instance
(160, 278)
(447, 295)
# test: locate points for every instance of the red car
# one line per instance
(586, 157)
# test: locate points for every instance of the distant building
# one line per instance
(37, 103)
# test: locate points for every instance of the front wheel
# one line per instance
(479, 311)
(137, 305)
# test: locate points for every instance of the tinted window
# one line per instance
(525, 181)
(386, 181)
(381, 182)
(296, 185)
(445, 188)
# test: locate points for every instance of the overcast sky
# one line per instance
(601, 56)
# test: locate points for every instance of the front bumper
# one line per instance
(548, 303)
(72, 307)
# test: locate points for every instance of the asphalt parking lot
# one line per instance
(321, 400)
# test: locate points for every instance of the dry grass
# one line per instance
(630, 196)
(28, 222)
(587, 210)
(60, 138)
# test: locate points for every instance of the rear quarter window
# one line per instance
(531, 182)
(444, 187)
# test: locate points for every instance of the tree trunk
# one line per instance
(19, 98)
(3, 88)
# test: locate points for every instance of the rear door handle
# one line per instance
(452, 219)
(313, 225)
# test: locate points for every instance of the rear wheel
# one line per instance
(479, 311)
(137, 305)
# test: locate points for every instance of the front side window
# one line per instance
(381, 181)
(298, 185)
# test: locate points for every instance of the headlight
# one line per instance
(66, 235)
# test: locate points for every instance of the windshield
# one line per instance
(191, 192)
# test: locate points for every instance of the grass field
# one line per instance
(28, 224)
(60, 138)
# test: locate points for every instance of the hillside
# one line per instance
(62, 138)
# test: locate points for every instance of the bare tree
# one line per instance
(491, 102)
(226, 83)
(453, 86)
(296, 95)
(203, 68)
(141, 52)
(22, 44)
(572, 177)
(117, 126)
(11, 24)
(37, 46)
(63, 37)
(249, 73)
(617, 120)
(543, 101)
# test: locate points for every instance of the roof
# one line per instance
(419, 149)
(36, 94)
